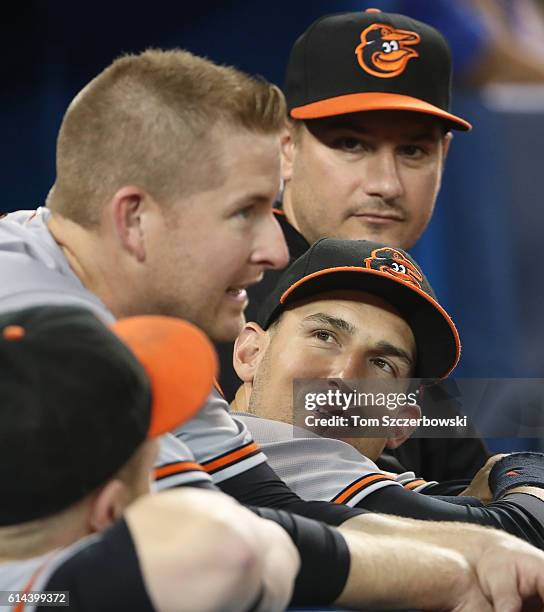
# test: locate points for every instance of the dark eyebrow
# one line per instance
(252, 198)
(386, 348)
(340, 324)
(394, 351)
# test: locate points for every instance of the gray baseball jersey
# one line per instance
(221, 446)
(30, 575)
(99, 572)
(34, 271)
(322, 469)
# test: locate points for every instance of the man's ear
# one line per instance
(446, 141)
(249, 349)
(287, 152)
(108, 505)
(401, 433)
(126, 208)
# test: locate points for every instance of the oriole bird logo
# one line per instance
(384, 51)
(393, 262)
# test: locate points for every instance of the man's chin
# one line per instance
(225, 329)
(359, 228)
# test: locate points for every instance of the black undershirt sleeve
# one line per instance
(261, 486)
(447, 487)
(460, 500)
(325, 558)
(105, 576)
(519, 514)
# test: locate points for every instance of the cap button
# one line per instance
(372, 10)
(13, 332)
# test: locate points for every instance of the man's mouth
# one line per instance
(379, 218)
(239, 292)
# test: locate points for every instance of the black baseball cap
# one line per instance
(79, 398)
(331, 264)
(369, 60)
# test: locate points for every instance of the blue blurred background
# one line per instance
(481, 250)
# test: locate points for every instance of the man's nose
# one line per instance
(352, 366)
(382, 178)
(271, 250)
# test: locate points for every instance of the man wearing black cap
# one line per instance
(361, 311)
(368, 95)
(82, 407)
(125, 235)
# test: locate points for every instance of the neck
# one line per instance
(90, 258)
(39, 537)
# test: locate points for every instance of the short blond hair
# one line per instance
(147, 119)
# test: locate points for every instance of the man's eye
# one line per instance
(349, 144)
(413, 151)
(384, 365)
(324, 336)
(245, 213)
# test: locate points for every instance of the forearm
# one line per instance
(460, 537)
(528, 490)
(390, 572)
(509, 571)
(522, 516)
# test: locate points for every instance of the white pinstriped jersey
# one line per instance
(34, 271)
(322, 469)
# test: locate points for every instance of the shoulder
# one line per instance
(33, 269)
(25, 232)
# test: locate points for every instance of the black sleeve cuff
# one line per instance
(324, 555)
(105, 575)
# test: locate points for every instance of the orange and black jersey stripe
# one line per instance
(231, 458)
(177, 467)
(356, 488)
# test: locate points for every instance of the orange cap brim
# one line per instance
(180, 363)
(357, 102)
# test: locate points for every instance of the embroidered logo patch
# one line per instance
(384, 51)
(391, 261)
